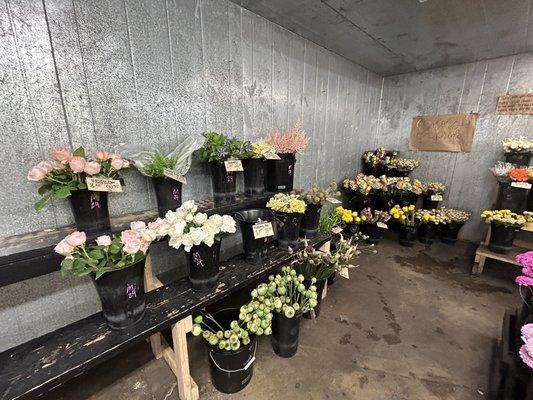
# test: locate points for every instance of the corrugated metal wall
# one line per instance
(100, 72)
(465, 88)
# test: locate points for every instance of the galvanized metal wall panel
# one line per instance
(98, 73)
(473, 87)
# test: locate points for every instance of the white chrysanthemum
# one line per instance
(228, 224)
(197, 235)
(200, 218)
(216, 219)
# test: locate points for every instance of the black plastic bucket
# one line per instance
(518, 158)
(224, 183)
(122, 296)
(280, 173)
(427, 233)
(231, 371)
(288, 225)
(449, 232)
(255, 250)
(332, 279)
(407, 235)
(254, 176)
(405, 199)
(374, 233)
(383, 202)
(358, 201)
(319, 290)
(310, 221)
(90, 211)
(204, 266)
(512, 198)
(428, 204)
(167, 194)
(285, 333)
(502, 238)
(351, 229)
(397, 173)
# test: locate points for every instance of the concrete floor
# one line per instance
(409, 324)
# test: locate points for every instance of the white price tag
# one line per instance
(271, 156)
(262, 230)
(170, 173)
(103, 185)
(521, 185)
(436, 197)
(337, 230)
(382, 225)
(344, 273)
(333, 200)
(233, 165)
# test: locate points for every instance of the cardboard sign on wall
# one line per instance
(451, 132)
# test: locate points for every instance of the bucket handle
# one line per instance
(247, 365)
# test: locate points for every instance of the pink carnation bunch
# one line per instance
(108, 253)
(526, 261)
(66, 171)
(526, 351)
(292, 141)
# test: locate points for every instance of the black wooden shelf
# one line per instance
(30, 255)
(33, 368)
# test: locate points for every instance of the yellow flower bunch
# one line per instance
(349, 216)
(506, 217)
(287, 203)
(404, 215)
(259, 149)
(429, 216)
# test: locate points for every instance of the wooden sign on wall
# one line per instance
(516, 104)
(451, 132)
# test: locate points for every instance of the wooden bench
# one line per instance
(35, 367)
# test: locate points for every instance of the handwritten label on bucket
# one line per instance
(521, 185)
(233, 165)
(382, 225)
(337, 230)
(271, 156)
(436, 197)
(344, 273)
(170, 173)
(263, 230)
(103, 185)
(333, 200)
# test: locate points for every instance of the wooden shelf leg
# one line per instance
(479, 264)
(150, 283)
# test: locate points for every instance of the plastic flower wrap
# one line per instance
(434, 188)
(287, 203)
(506, 218)
(526, 351)
(186, 227)
(330, 222)
(373, 217)
(292, 141)
(108, 253)
(434, 216)
(520, 144)
(349, 216)
(404, 164)
(219, 147)
(404, 215)
(318, 195)
(364, 184)
(377, 157)
(66, 171)
(450, 215)
(501, 171)
(151, 162)
(519, 174)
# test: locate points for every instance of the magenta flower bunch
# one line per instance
(526, 351)
(526, 261)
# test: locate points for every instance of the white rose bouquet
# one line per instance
(187, 227)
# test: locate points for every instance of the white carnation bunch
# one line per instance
(187, 227)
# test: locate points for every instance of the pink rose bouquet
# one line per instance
(66, 171)
(108, 253)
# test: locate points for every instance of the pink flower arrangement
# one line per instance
(526, 351)
(292, 141)
(109, 253)
(526, 261)
(66, 171)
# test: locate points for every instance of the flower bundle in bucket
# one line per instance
(66, 174)
(375, 162)
(405, 216)
(402, 167)
(289, 210)
(452, 222)
(116, 265)
(405, 191)
(433, 193)
(513, 186)
(254, 155)
(222, 153)
(428, 222)
(375, 224)
(505, 224)
(280, 173)
(518, 150)
(200, 236)
(315, 198)
(362, 189)
(351, 220)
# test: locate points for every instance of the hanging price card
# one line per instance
(233, 165)
(170, 173)
(521, 185)
(344, 273)
(382, 225)
(271, 156)
(103, 185)
(337, 230)
(333, 200)
(262, 230)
